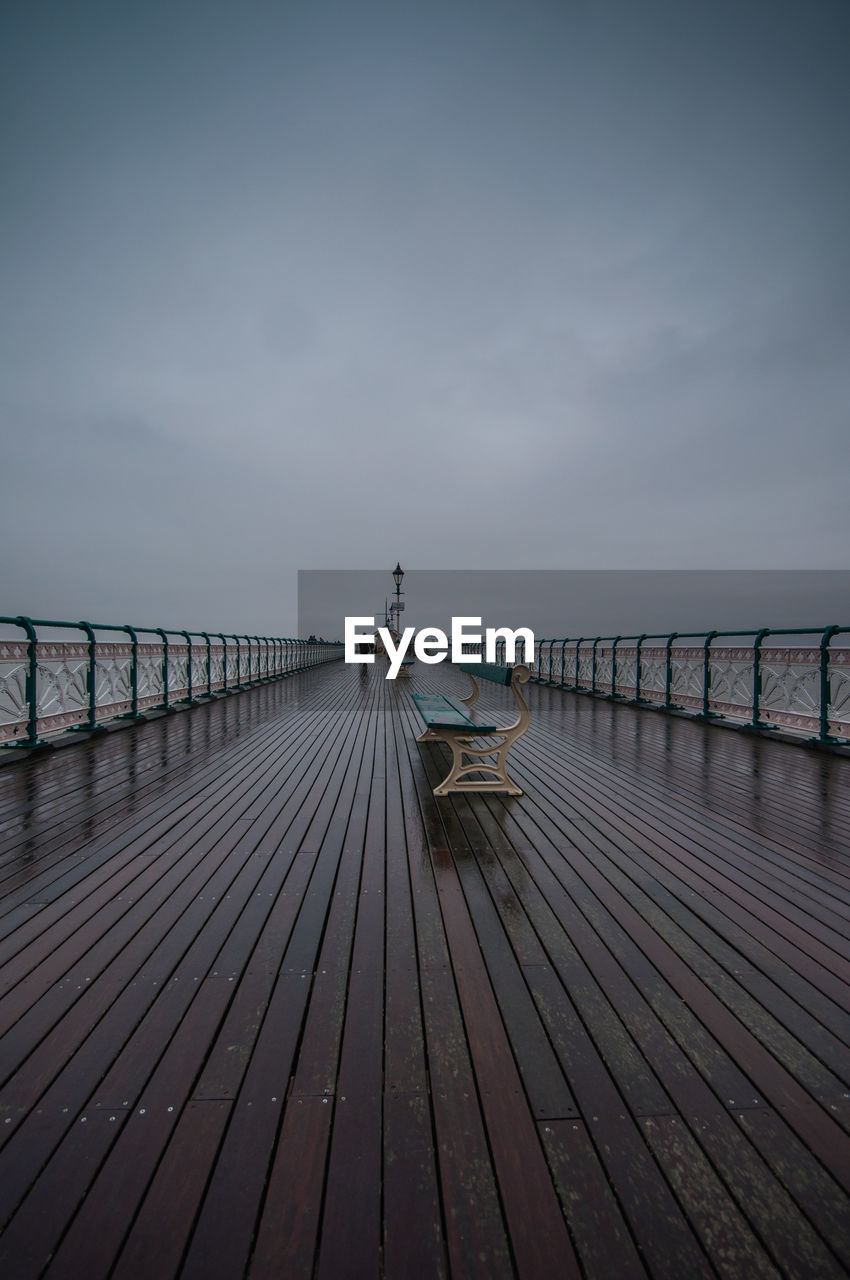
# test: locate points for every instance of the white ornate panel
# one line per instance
(14, 713)
(585, 666)
(150, 675)
(626, 670)
(653, 672)
(839, 693)
(687, 673)
(113, 666)
(604, 667)
(731, 683)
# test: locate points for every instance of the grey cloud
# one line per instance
(308, 284)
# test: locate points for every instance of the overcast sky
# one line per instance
(316, 285)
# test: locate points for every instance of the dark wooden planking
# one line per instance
(136, 1056)
(808, 1184)
(157, 1239)
(783, 900)
(663, 900)
(638, 922)
(772, 1081)
(490, 801)
(820, 1080)
(604, 1244)
(722, 1152)
(475, 1236)
(552, 909)
(352, 1243)
(540, 1241)
(413, 1236)
(289, 1227)
(600, 808)
(165, 837)
(185, 851)
(225, 1230)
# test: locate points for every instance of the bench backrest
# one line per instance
(487, 671)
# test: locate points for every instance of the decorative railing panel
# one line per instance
(48, 685)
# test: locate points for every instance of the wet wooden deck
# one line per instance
(271, 1009)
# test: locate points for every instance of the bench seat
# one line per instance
(442, 712)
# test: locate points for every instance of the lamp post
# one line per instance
(398, 574)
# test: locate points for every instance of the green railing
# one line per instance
(49, 684)
(770, 678)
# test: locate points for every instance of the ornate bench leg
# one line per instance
(458, 779)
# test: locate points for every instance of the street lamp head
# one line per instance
(398, 574)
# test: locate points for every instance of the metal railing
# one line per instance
(47, 685)
(787, 684)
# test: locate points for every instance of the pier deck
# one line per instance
(269, 1008)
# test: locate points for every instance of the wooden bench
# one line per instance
(448, 720)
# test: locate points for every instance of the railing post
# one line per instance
(638, 648)
(578, 647)
(668, 678)
(563, 661)
(31, 683)
(189, 698)
(593, 668)
(551, 643)
(205, 634)
(91, 679)
(164, 666)
(617, 640)
(824, 681)
(133, 713)
(706, 673)
(223, 640)
(757, 676)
